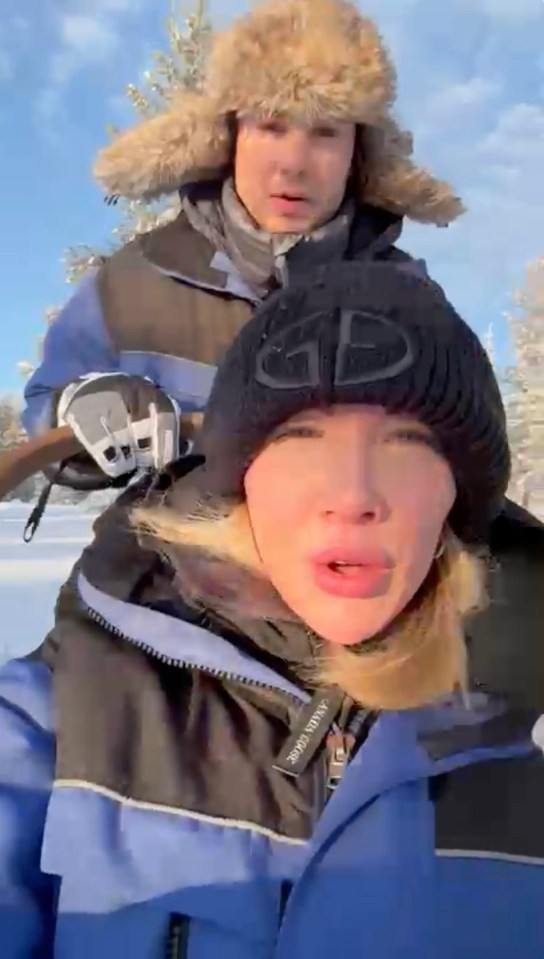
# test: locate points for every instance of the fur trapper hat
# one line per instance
(300, 58)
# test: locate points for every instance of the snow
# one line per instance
(32, 573)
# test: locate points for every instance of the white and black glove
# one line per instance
(125, 422)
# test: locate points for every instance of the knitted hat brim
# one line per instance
(376, 335)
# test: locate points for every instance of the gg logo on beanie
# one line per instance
(371, 335)
(364, 347)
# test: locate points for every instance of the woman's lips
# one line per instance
(352, 573)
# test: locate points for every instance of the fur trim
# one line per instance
(390, 178)
(304, 58)
(188, 143)
(309, 58)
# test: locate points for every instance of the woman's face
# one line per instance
(347, 508)
(292, 177)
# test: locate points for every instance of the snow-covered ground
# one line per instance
(31, 573)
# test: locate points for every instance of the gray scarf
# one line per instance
(264, 259)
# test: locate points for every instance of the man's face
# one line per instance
(291, 177)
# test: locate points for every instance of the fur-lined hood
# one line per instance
(309, 58)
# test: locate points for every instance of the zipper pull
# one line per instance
(340, 746)
(310, 732)
(177, 945)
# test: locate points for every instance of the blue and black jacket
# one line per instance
(166, 306)
(145, 810)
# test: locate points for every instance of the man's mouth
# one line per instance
(294, 198)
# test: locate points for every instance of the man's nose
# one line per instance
(292, 154)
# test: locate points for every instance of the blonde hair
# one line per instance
(418, 658)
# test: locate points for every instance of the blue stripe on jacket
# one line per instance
(78, 343)
(27, 757)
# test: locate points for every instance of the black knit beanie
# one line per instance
(372, 334)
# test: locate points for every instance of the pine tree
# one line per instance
(25, 367)
(489, 345)
(180, 68)
(11, 435)
(525, 395)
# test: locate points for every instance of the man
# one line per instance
(288, 158)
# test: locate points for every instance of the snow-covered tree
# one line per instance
(525, 394)
(489, 345)
(180, 68)
(11, 435)
(25, 367)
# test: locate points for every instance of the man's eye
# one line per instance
(271, 126)
(326, 132)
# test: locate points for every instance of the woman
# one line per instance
(264, 743)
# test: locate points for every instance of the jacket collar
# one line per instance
(506, 641)
(194, 248)
(453, 732)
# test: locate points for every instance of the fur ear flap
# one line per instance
(391, 179)
(149, 160)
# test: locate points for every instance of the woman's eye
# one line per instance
(415, 437)
(294, 432)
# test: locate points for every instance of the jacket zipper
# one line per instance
(183, 664)
(336, 729)
(177, 944)
(218, 673)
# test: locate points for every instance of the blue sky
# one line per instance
(471, 88)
